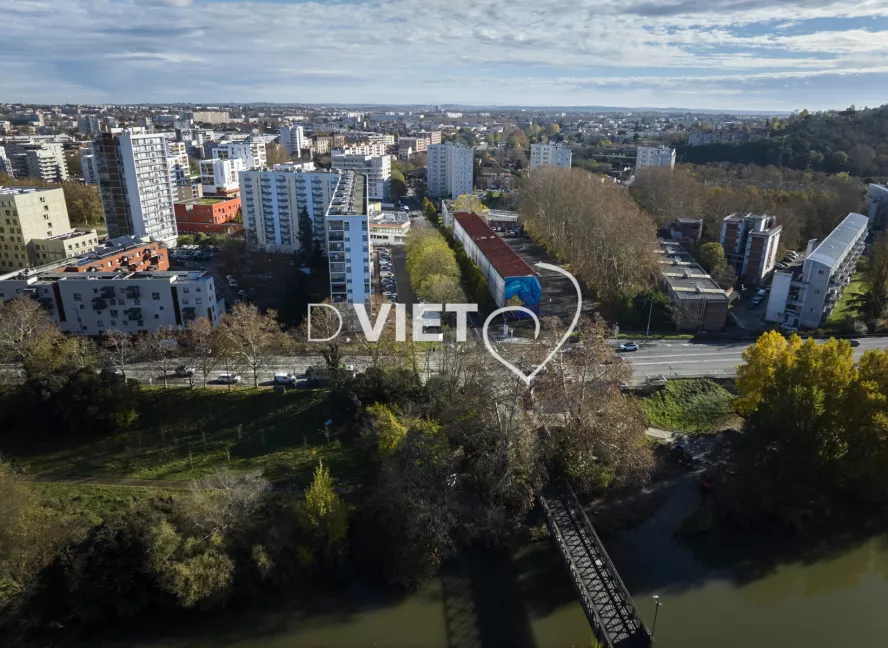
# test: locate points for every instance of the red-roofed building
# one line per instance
(508, 275)
(210, 215)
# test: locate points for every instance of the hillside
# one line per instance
(852, 141)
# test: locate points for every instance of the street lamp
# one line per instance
(657, 605)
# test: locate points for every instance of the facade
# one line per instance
(124, 254)
(389, 229)
(416, 144)
(699, 303)
(687, 230)
(252, 153)
(41, 160)
(28, 213)
(211, 215)
(877, 206)
(508, 275)
(220, 177)
(750, 242)
(321, 144)
(450, 170)
(88, 165)
(273, 203)
(89, 125)
(363, 148)
(654, 157)
(210, 117)
(62, 246)
(803, 296)
(5, 164)
(293, 138)
(136, 184)
(348, 242)
(377, 168)
(549, 155)
(132, 302)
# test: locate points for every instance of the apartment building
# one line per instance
(366, 147)
(88, 165)
(654, 157)
(804, 295)
(750, 242)
(133, 302)
(252, 153)
(450, 170)
(687, 230)
(549, 155)
(136, 184)
(293, 139)
(89, 125)
(210, 117)
(877, 206)
(377, 168)
(40, 160)
(275, 202)
(210, 215)
(699, 303)
(348, 241)
(28, 213)
(416, 144)
(62, 246)
(219, 177)
(321, 144)
(123, 254)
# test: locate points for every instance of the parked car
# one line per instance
(241, 293)
(854, 343)
(228, 379)
(284, 379)
(757, 300)
(185, 371)
(629, 346)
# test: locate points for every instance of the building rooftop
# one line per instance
(839, 240)
(18, 191)
(685, 277)
(350, 197)
(76, 233)
(501, 256)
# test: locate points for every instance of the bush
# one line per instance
(689, 406)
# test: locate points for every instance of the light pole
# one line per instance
(657, 605)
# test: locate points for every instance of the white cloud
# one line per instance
(424, 50)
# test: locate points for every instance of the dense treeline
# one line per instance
(853, 141)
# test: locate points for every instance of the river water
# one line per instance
(750, 591)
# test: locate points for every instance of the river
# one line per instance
(768, 592)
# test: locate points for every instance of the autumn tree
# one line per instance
(29, 336)
(469, 203)
(324, 516)
(398, 185)
(667, 194)
(872, 304)
(160, 351)
(119, 350)
(253, 338)
(429, 255)
(276, 154)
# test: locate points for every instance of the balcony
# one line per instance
(133, 314)
(106, 292)
(99, 304)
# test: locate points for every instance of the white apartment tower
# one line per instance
(220, 177)
(549, 155)
(293, 138)
(348, 240)
(136, 184)
(252, 153)
(450, 170)
(88, 165)
(275, 202)
(377, 168)
(654, 157)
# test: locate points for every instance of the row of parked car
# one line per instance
(788, 259)
(387, 275)
(192, 253)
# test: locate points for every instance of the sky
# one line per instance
(778, 55)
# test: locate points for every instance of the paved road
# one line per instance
(681, 358)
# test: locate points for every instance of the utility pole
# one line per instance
(650, 312)
(657, 605)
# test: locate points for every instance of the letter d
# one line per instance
(326, 339)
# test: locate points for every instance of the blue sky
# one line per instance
(719, 54)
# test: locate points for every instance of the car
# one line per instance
(761, 292)
(756, 300)
(629, 346)
(284, 379)
(232, 283)
(789, 329)
(854, 343)
(241, 293)
(228, 379)
(185, 371)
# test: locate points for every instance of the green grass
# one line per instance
(93, 503)
(843, 307)
(184, 435)
(690, 406)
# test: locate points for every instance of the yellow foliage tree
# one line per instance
(756, 376)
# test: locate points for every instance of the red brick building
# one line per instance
(210, 215)
(134, 256)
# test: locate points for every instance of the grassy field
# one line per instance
(93, 503)
(842, 309)
(184, 434)
(690, 406)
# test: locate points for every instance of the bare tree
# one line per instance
(160, 350)
(254, 338)
(119, 350)
(200, 341)
(27, 334)
(324, 324)
(223, 502)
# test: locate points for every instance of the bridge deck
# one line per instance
(611, 612)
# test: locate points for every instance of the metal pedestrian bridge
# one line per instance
(612, 614)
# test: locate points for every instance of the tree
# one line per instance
(223, 503)
(84, 204)
(712, 257)
(160, 351)
(429, 255)
(872, 304)
(253, 338)
(398, 185)
(668, 194)
(469, 203)
(120, 350)
(276, 154)
(28, 335)
(324, 516)
(200, 342)
(324, 324)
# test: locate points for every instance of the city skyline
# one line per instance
(729, 54)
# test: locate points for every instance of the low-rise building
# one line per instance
(389, 228)
(687, 230)
(804, 295)
(699, 303)
(125, 253)
(750, 242)
(62, 246)
(210, 215)
(219, 177)
(91, 303)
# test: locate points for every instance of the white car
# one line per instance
(284, 379)
(228, 379)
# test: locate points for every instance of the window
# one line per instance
(155, 296)
(156, 316)
(100, 323)
(77, 297)
(113, 313)
(198, 301)
(820, 272)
